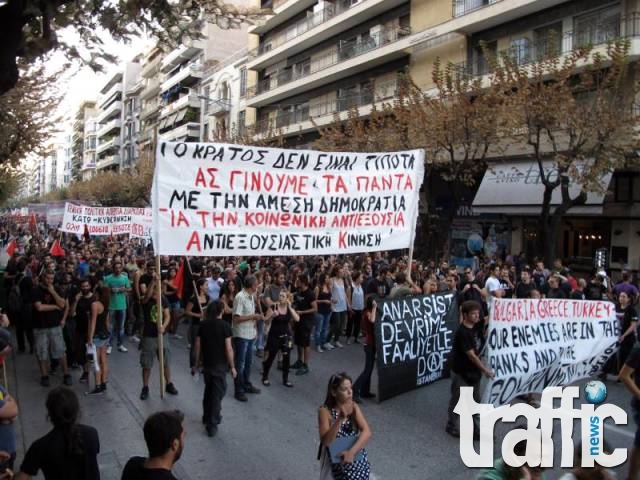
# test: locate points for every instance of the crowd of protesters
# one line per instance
(75, 305)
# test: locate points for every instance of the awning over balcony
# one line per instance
(515, 188)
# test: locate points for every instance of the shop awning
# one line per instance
(515, 188)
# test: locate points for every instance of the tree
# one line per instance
(31, 28)
(11, 179)
(27, 115)
(457, 122)
(575, 117)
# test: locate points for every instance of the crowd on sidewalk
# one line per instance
(82, 300)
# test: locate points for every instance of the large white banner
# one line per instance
(533, 344)
(220, 199)
(105, 221)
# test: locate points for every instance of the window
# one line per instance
(243, 81)
(242, 119)
(520, 51)
(548, 41)
(482, 56)
(597, 27)
(626, 188)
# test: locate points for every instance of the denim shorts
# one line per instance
(100, 342)
(49, 340)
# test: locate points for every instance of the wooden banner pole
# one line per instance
(160, 321)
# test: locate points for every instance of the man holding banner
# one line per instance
(466, 367)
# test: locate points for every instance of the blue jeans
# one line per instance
(244, 355)
(117, 325)
(260, 338)
(322, 325)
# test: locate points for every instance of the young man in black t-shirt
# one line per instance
(304, 303)
(466, 367)
(164, 436)
(213, 351)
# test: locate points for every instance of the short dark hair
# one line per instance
(161, 429)
(249, 281)
(214, 309)
(470, 306)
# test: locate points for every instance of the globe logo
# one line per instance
(595, 391)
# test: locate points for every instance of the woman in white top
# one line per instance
(357, 306)
(339, 305)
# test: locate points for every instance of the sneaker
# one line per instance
(177, 336)
(337, 344)
(211, 430)
(241, 397)
(319, 349)
(84, 378)
(67, 380)
(252, 389)
(170, 388)
(303, 370)
(44, 381)
(144, 394)
(109, 350)
(135, 339)
(296, 365)
(103, 386)
(327, 346)
(122, 348)
(95, 391)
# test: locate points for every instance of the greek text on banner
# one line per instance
(105, 221)
(533, 344)
(221, 199)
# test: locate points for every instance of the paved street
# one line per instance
(273, 436)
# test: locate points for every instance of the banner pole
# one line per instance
(412, 236)
(160, 318)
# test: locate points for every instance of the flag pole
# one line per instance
(160, 319)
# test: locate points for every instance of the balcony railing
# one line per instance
(381, 92)
(462, 7)
(537, 50)
(344, 52)
(302, 27)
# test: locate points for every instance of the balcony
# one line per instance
(149, 110)
(186, 76)
(283, 10)
(136, 88)
(151, 67)
(348, 59)
(219, 107)
(323, 113)
(598, 37)
(178, 56)
(112, 126)
(315, 29)
(87, 166)
(109, 161)
(152, 89)
(184, 131)
(190, 100)
(112, 110)
(111, 143)
(111, 93)
(463, 7)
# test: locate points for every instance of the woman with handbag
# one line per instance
(278, 319)
(344, 432)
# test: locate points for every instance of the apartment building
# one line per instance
(149, 98)
(115, 117)
(182, 71)
(84, 141)
(222, 93)
(315, 58)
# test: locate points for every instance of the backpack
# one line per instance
(14, 301)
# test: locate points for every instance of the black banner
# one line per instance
(414, 336)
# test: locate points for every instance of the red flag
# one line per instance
(56, 249)
(87, 237)
(178, 280)
(33, 222)
(11, 248)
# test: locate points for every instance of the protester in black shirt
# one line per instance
(214, 353)
(304, 303)
(526, 284)
(70, 450)
(554, 290)
(466, 367)
(279, 317)
(164, 436)
(195, 309)
(81, 311)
